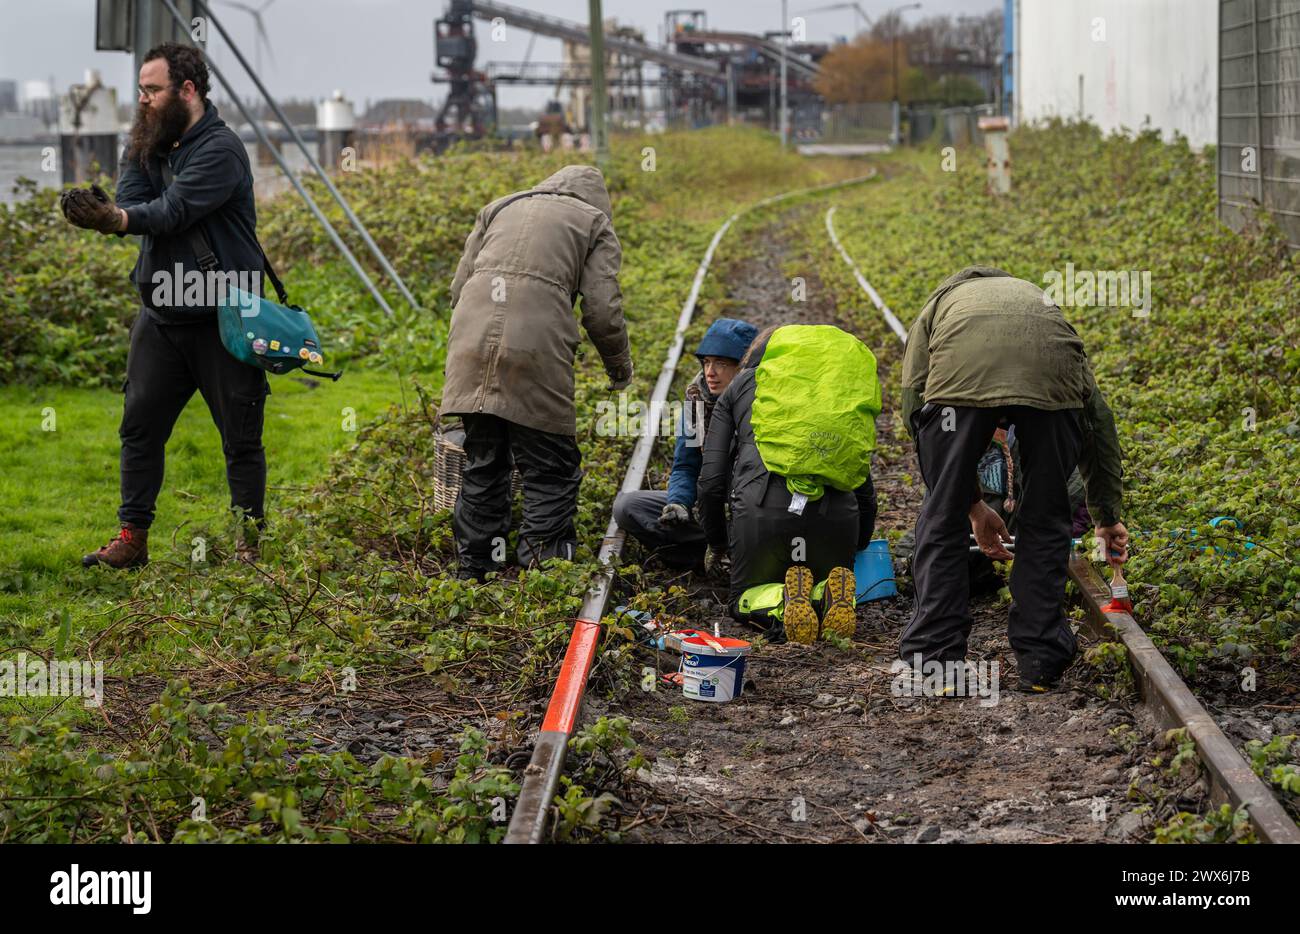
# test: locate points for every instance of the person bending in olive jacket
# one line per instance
(510, 357)
(986, 347)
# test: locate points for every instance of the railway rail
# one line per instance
(1162, 692)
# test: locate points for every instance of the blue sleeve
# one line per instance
(686, 471)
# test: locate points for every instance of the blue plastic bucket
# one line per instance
(873, 569)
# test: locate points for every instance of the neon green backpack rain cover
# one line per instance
(816, 398)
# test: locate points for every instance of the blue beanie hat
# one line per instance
(727, 337)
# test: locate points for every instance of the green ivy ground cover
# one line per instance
(203, 657)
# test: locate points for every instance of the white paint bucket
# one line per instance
(713, 667)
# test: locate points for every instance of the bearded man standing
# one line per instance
(183, 169)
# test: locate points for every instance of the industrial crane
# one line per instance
(859, 13)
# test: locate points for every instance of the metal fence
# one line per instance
(952, 126)
(853, 123)
(1259, 113)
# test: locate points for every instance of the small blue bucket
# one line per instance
(873, 569)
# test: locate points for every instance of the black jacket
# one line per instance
(733, 468)
(212, 186)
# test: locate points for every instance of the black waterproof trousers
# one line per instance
(950, 442)
(165, 364)
(678, 546)
(765, 538)
(549, 464)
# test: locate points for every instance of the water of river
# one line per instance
(29, 160)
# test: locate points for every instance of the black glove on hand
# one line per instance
(674, 514)
(620, 376)
(717, 563)
(90, 208)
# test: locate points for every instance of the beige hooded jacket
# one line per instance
(514, 334)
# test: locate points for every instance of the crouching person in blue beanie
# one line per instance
(662, 521)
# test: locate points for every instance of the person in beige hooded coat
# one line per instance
(510, 355)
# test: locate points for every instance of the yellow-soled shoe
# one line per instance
(840, 600)
(798, 614)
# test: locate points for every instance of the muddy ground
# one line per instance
(819, 748)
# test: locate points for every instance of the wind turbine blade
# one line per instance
(263, 39)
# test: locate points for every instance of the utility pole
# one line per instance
(771, 100)
(599, 136)
(785, 32)
(895, 43)
(142, 35)
(731, 91)
(897, 15)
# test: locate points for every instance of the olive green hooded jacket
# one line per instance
(985, 339)
(514, 335)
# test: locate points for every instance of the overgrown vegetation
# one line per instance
(208, 661)
(1205, 388)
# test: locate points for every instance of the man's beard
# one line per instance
(155, 128)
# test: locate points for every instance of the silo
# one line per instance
(336, 123)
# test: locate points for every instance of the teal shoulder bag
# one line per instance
(277, 338)
(274, 337)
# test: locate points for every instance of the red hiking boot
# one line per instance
(130, 549)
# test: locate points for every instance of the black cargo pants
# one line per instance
(165, 364)
(950, 442)
(549, 464)
(679, 546)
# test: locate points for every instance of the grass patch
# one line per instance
(59, 489)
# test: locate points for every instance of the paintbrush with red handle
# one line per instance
(1119, 598)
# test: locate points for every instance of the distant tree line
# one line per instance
(951, 60)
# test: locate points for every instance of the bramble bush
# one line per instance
(69, 303)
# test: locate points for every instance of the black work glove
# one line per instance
(674, 514)
(90, 208)
(717, 563)
(620, 376)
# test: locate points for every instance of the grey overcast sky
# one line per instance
(373, 49)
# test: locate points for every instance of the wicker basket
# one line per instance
(449, 464)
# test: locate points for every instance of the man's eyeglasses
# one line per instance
(150, 91)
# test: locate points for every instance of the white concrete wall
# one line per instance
(1158, 59)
